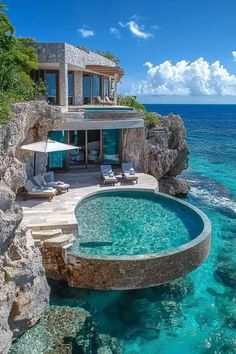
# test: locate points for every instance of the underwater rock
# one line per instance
(226, 273)
(66, 330)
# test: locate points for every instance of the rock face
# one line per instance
(160, 151)
(24, 292)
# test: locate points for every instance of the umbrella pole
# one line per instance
(35, 163)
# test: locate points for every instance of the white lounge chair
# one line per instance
(49, 178)
(108, 101)
(33, 191)
(128, 172)
(108, 175)
(98, 100)
(59, 186)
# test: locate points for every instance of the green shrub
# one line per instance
(151, 119)
(130, 101)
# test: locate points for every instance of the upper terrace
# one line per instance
(75, 76)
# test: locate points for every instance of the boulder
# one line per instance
(174, 186)
(161, 151)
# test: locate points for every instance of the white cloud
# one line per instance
(85, 33)
(197, 78)
(115, 31)
(234, 54)
(136, 29)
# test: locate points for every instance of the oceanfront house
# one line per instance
(85, 84)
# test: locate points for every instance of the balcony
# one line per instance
(100, 117)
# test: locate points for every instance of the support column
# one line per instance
(115, 89)
(63, 84)
(78, 87)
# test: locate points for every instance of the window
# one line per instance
(86, 89)
(96, 85)
(51, 83)
(70, 88)
(105, 87)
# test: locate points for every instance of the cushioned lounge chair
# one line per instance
(128, 172)
(59, 185)
(108, 101)
(108, 175)
(98, 100)
(46, 183)
(33, 191)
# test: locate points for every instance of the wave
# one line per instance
(213, 194)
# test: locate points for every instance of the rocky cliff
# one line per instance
(160, 151)
(24, 292)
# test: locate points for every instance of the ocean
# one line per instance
(196, 314)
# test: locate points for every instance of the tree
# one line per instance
(16, 62)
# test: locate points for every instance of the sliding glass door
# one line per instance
(51, 79)
(87, 89)
(111, 146)
(57, 160)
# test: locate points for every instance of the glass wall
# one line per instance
(93, 146)
(105, 87)
(77, 156)
(111, 146)
(57, 160)
(70, 88)
(86, 89)
(51, 83)
(96, 85)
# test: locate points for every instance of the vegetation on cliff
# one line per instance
(151, 119)
(16, 62)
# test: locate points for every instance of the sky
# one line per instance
(172, 51)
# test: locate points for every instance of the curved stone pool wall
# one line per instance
(133, 272)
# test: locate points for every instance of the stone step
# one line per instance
(59, 241)
(45, 234)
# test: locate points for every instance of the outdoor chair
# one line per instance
(98, 100)
(33, 191)
(108, 175)
(49, 178)
(128, 172)
(108, 101)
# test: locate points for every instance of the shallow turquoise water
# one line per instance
(133, 222)
(196, 314)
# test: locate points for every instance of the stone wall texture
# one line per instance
(67, 53)
(24, 292)
(161, 151)
(127, 272)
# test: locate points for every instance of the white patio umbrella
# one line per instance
(46, 146)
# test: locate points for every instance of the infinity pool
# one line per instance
(120, 223)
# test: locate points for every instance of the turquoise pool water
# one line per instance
(132, 223)
(114, 109)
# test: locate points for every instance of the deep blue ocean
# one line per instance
(196, 314)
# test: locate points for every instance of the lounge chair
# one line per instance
(33, 191)
(128, 172)
(98, 100)
(108, 101)
(108, 175)
(49, 179)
